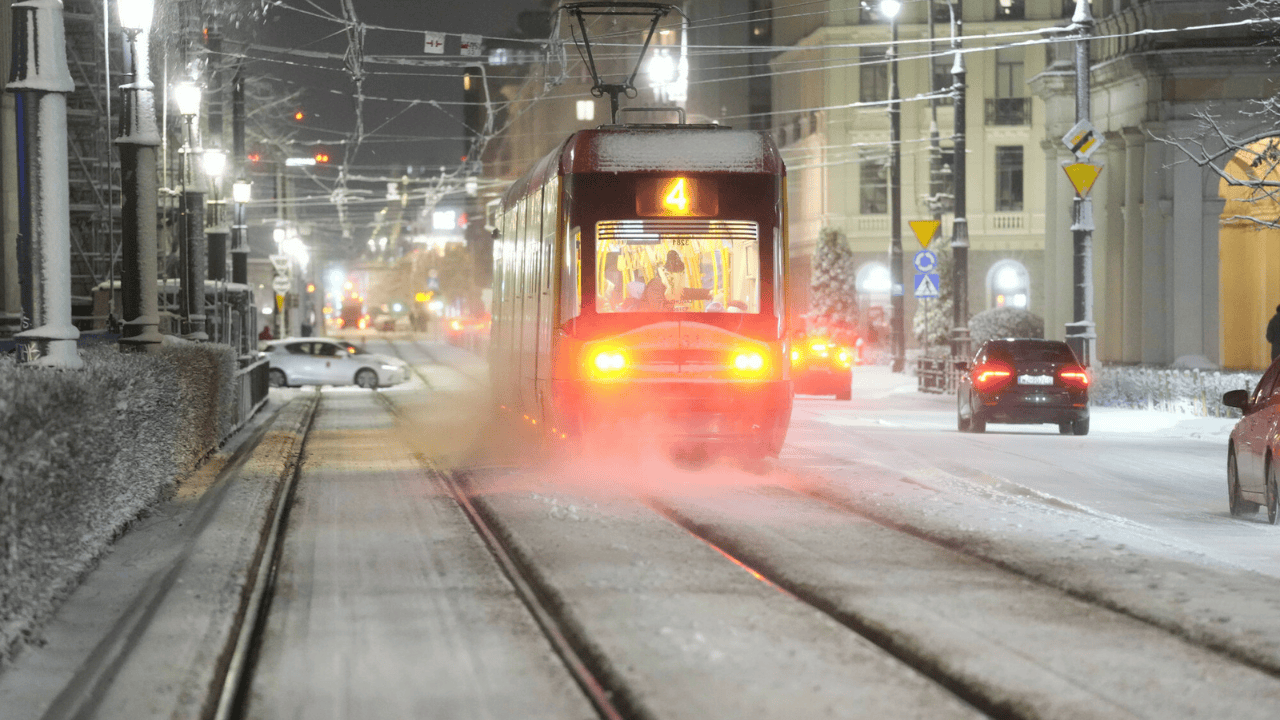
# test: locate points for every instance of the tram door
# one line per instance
(529, 315)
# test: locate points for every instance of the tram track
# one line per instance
(607, 687)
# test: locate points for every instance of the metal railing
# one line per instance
(935, 375)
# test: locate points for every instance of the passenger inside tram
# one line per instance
(658, 272)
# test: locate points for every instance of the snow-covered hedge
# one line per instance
(1198, 392)
(84, 453)
(1003, 322)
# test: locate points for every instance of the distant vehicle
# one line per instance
(1023, 380)
(353, 316)
(822, 367)
(640, 272)
(1252, 448)
(325, 361)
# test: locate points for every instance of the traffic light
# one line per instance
(299, 115)
(321, 157)
(311, 287)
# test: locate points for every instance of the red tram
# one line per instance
(640, 287)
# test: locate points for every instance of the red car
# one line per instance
(1252, 449)
(822, 367)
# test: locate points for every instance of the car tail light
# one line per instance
(456, 325)
(1074, 376)
(795, 356)
(990, 377)
(844, 358)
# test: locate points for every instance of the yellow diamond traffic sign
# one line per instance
(1082, 176)
(924, 230)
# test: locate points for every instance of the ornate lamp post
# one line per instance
(192, 250)
(241, 193)
(897, 330)
(138, 141)
(40, 81)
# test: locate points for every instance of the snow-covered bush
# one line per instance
(1198, 392)
(834, 291)
(1003, 322)
(84, 453)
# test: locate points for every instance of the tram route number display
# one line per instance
(677, 197)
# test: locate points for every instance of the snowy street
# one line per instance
(885, 566)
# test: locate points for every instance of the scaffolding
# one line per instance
(94, 171)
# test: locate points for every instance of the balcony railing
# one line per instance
(1008, 111)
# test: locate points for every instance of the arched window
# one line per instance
(1008, 285)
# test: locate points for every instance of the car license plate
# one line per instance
(1035, 379)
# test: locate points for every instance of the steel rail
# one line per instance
(600, 696)
(231, 695)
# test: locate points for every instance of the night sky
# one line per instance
(397, 132)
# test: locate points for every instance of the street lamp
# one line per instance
(138, 141)
(897, 331)
(187, 96)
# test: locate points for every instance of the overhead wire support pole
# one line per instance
(897, 331)
(960, 220)
(1080, 333)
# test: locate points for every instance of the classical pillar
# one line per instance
(1135, 141)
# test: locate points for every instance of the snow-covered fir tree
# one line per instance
(834, 293)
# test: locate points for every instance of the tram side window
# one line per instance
(570, 284)
(650, 266)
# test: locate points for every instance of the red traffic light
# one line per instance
(254, 157)
(299, 116)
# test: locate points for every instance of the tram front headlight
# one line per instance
(748, 362)
(609, 362)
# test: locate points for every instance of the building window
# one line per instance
(873, 75)
(943, 80)
(1009, 106)
(1009, 178)
(873, 186)
(941, 194)
(586, 110)
(1011, 9)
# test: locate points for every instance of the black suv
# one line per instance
(1023, 380)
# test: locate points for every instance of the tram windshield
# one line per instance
(677, 265)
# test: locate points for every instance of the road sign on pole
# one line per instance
(924, 230)
(1082, 139)
(280, 283)
(1082, 176)
(926, 285)
(926, 261)
(280, 263)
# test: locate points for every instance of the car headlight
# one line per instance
(390, 368)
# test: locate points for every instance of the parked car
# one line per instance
(822, 367)
(1252, 448)
(1023, 380)
(327, 361)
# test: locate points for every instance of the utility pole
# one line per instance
(960, 222)
(897, 331)
(40, 80)
(1080, 333)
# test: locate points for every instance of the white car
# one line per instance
(326, 361)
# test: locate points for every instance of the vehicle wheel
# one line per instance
(367, 379)
(962, 423)
(1237, 504)
(1081, 427)
(1066, 428)
(276, 378)
(977, 424)
(1273, 502)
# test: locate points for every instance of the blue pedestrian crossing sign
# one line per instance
(926, 285)
(926, 261)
